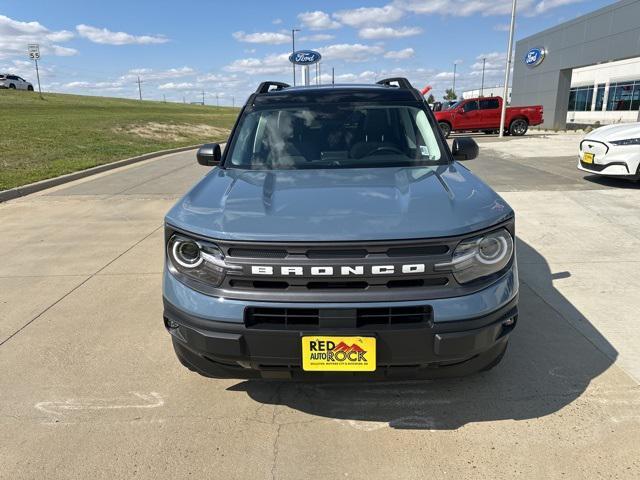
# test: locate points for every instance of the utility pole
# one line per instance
(482, 85)
(293, 49)
(202, 97)
(319, 74)
(454, 77)
(217, 101)
(233, 101)
(184, 100)
(333, 76)
(139, 87)
(506, 73)
(164, 98)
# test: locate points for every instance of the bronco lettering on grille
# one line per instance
(340, 270)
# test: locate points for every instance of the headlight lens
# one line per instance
(628, 141)
(480, 256)
(197, 260)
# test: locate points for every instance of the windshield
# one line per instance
(335, 136)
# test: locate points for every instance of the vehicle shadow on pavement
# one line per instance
(549, 364)
(612, 182)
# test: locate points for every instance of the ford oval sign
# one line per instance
(305, 57)
(534, 57)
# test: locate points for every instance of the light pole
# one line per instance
(293, 49)
(482, 85)
(506, 73)
(454, 78)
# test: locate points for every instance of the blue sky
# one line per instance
(224, 48)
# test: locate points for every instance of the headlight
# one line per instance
(480, 256)
(198, 260)
(628, 141)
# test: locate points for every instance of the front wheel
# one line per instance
(446, 129)
(30, 88)
(12, 86)
(518, 127)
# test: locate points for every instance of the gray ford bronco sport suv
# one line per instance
(339, 237)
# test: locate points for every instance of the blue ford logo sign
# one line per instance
(305, 57)
(534, 57)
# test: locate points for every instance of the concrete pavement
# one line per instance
(90, 387)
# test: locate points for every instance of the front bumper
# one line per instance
(613, 161)
(466, 334)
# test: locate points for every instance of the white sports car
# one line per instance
(613, 151)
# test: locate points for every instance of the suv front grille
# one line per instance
(305, 285)
(312, 318)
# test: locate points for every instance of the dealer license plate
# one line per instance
(338, 354)
(588, 157)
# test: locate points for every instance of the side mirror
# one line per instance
(209, 154)
(464, 148)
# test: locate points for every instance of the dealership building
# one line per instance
(583, 71)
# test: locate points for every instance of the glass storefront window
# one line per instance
(635, 99)
(580, 99)
(620, 95)
(572, 100)
(600, 97)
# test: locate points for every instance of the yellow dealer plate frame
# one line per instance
(588, 157)
(330, 353)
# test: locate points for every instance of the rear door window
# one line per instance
(489, 104)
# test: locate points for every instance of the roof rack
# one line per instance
(401, 81)
(265, 87)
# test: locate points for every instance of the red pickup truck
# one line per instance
(483, 115)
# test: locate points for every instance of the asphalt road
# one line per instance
(90, 388)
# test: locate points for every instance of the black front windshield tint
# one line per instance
(335, 136)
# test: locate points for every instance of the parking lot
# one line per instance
(90, 386)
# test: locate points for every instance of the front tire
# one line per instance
(30, 88)
(12, 86)
(518, 127)
(446, 129)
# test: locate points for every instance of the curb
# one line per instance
(70, 177)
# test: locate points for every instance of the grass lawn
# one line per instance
(44, 138)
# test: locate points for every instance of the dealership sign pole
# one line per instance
(505, 92)
(33, 49)
(305, 58)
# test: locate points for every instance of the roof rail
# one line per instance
(401, 81)
(265, 86)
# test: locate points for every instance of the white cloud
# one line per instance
(371, 33)
(368, 16)
(107, 37)
(400, 54)
(465, 8)
(546, 5)
(355, 52)
(270, 38)
(15, 35)
(318, 37)
(176, 86)
(444, 76)
(271, 64)
(276, 21)
(502, 27)
(317, 20)
(148, 74)
(107, 86)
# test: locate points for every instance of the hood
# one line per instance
(340, 204)
(620, 131)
